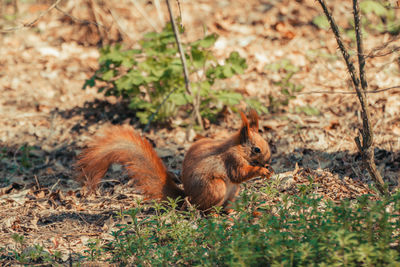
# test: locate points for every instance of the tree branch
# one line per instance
(30, 24)
(365, 148)
(184, 66)
(348, 93)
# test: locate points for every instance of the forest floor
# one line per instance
(46, 117)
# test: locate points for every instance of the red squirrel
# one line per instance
(211, 173)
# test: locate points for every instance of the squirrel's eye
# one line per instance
(256, 150)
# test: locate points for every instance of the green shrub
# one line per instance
(300, 231)
(148, 75)
(24, 254)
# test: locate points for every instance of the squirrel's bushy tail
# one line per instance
(124, 146)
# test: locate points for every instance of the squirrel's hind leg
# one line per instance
(230, 199)
(211, 194)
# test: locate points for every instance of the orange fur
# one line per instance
(211, 173)
(123, 145)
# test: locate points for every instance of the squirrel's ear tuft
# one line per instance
(253, 118)
(244, 132)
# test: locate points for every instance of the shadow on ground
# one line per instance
(342, 163)
(97, 112)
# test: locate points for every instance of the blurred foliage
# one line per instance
(288, 88)
(152, 73)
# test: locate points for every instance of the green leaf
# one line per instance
(227, 71)
(198, 57)
(235, 59)
(308, 110)
(179, 98)
(393, 27)
(207, 41)
(143, 117)
(257, 105)
(375, 7)
(238, 69)
(129, 81)
(137, 103)
(123, 83)
(108, 75)
(205, 86)
(89, 82)
(229, 98)
(150, 35)
(157, 73)
(321, 22)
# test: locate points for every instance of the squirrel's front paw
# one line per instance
(266, 173)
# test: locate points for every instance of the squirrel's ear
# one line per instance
(253, 118)
(244, 133)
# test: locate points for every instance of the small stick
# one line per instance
(144, 15)
(160, 13)
(30, 24)
(37, 182)
(346, 92)
(184, 66)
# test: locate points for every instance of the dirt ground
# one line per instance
(46, 117)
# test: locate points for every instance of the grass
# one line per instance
(298, 231)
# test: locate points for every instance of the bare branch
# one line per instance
(375, 52)
(184, 66)
(348, 93)
(340, 43)
(180, 11)
(144, 15)
(365, 148)
(30, 24)
(83, 21)
(160, 13)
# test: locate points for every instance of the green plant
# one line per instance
(302, 231)
(288, 89)
(151, 78)
(95, 250)
(25, 254)
(379, 16)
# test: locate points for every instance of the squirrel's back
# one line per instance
(123, 145)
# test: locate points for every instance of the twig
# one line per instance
(144, 15)
(180, 12)
(37, 182)
(97, 19)
(118, 24)
(348, 93)
(184, 66)
(366, 148)
(340, 43)
(30, 24)
(375, 52)
(160, 13)
(83, 21)
(54, 185)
